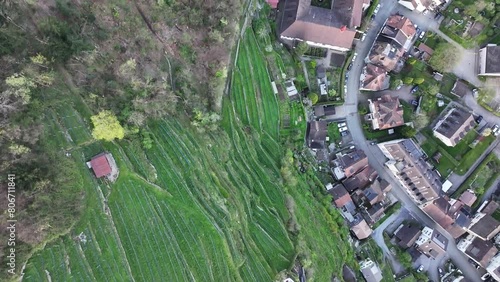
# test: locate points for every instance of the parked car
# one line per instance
(344, 128)
(438, 15)
(344, 133)
(422, 35)
(486, 276)
(479, 119)
(376, 9)
(420, 268)
(441, 272)
(342, 124)
(414, 102)
(363, 37)
(414, 89)
(495, 130)
(373, 143)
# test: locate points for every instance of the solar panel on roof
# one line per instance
(412, 149)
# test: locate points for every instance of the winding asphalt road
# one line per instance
(375, 157)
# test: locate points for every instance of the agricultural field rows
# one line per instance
(194, 207)
(251, 90)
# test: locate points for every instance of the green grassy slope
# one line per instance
(215, 210)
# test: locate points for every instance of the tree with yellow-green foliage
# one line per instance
(107, 127)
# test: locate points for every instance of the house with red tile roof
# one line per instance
(104, 166)
(374, 78)
(273, 3)
(385, 112)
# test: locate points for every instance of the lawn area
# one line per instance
(447, 84)
(482, 177)
(334, 133)
(445, 165)
(453, 158)
(459, 151)
(473, 155)
(458, 25)
(432, 40)
(407, 110)
(496, 215)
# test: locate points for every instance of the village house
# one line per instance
(324, 111)
(484, 226)
(331, 28)
(425, 52)
(316, 134)
(360, 228)
(371, 272)
(361, 179)
(482, 252)
(422, 5)
(273, 3)
(468, 197)
(489, 60)
(341, 197)
(453, 126)
(454, 218)
(460, 89)
(407, 163)
(372, 194)
(347, 165)
(374, 78)
(385, 112)
(385, 55)
(431, 243)
(490, 208)
(104, 166)
(398, 29)
(406, 235)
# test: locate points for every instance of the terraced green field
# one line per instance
(195, 207)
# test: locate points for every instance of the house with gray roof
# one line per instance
(481, 251)
(407, 234)
(316, 134)
(484, 226)
(454, 126)
(489, 60)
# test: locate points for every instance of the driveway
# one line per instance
(375, 157)
(488, 116)
(378, 236)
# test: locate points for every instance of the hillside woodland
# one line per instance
(141, 60)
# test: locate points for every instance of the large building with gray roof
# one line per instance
(489, 60)
(453, 127)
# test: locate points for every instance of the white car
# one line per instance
(420, 268)
(342, 124)
(342, 129)
(363, 37)
(495, 130)
(422, 35)
(486, 276)
(376, 9)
